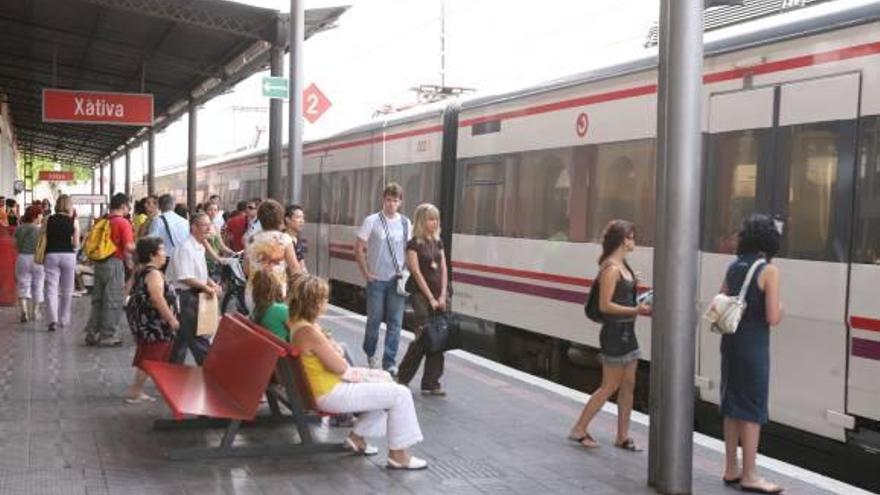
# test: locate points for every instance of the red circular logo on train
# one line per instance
(582, 124)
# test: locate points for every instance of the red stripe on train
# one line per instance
(548, 277)
(863, 323)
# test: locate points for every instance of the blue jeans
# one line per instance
(384, 304)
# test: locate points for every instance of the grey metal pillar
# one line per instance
(660, 243)
(151, 163)
(92, 207)
(112, 176)
(294, 145)
(101, 185)
(128, 171)
(676, 289)
(191, 159)
(276, 118)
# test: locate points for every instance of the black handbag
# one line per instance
(441, 333)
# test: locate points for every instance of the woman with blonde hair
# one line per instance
(427, 286)
(270, 249)
(62, 242)
(270, 308)
(384, 407)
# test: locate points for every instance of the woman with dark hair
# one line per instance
(28, 274)
(151, 312)
(270, 249)
(619, 349)
(294, 220)
(745, 354)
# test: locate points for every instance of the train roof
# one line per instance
(808, 21)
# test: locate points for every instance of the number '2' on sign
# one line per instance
(315, 103)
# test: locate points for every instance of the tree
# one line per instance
(80, 174)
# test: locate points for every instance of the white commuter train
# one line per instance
(527, 180)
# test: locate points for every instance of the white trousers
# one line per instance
(383, 407)
(29, 278)
(60, 269)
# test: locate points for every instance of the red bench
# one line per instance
(225, 391)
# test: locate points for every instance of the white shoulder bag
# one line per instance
(402, 273)
(725, 311)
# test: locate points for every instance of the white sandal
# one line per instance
(414, 464)
(368, 449)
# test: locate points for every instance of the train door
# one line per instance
(788, 150)
(322, 240)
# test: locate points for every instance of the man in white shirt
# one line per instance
(253, 223)
(380, 255)
(188, 272)
(171, 227)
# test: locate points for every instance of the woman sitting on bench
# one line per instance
(383, 407)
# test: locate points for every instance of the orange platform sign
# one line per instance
(97, 107)
(56, 175)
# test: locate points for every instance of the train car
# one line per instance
(527, 180)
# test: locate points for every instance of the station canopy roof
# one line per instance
(177, 50)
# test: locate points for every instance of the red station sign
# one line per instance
(53, 175)
(315, 103)
(97, 107)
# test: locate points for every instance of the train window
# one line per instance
(731, 185)
(622, 186)
(867, 224)
(543, 193)
(311, 190)
(343, 190)
(486, 127)
(482, 199)
(811, 153)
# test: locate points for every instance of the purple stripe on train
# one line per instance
(864, 348)
(519, 287)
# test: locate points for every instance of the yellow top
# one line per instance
(320, 378)
(137, 221)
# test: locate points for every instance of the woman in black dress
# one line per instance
(617, 339)
(745, 355)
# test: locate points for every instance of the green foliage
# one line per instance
(80, 174)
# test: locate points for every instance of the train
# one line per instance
(526, 180)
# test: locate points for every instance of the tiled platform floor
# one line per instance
(64, 429)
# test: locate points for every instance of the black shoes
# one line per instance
(52, 327)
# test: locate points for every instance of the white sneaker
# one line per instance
(413, 464)
(392, 371)
(373, 362)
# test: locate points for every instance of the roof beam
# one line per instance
(192, 12)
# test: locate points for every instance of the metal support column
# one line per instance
(274, 187)
(93, 192)
(112, 176)
(676, 288)
(660, 240)
(128, 171)
(151, 163)
(294, 146)
(191, 159)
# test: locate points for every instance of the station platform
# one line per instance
(64, 429)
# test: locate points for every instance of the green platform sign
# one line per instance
(275, 87)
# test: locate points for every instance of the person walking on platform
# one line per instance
(745, 354)
(62, 242)
(294, 221)
(385, 407)
(151, 313)
(29, 275)
(151, 211)
(619, 349)
(215, 248)
(169, 226)
(427, 286)
(188, 272)
(253, 221)
(217, 219)
(108, 293)
(236, 226)
(379, 252)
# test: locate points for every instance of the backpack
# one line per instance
(99, 245)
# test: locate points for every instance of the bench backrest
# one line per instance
(291, 357)
(241, 362)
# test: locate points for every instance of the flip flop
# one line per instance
(731, 481)
(758, 489)
(580, 440)
(628, 445)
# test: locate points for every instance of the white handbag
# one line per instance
(725, 311)
(402, 273)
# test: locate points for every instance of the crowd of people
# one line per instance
(166, 262)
